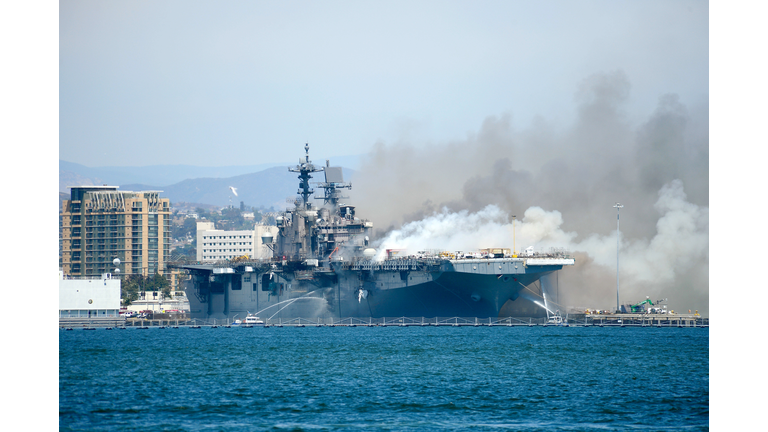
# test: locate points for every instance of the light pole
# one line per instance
(618, 208)
(514, 247)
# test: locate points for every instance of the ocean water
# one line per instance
(384, 378)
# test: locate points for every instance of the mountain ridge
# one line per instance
(78, 174)
(271, 187)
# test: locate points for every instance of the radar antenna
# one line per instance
(305, 168)
(334, 180)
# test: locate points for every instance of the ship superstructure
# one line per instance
(309, 233)
(323, 266)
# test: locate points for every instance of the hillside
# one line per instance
(73, 174)
(269, 188)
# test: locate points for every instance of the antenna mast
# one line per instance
(305, 168)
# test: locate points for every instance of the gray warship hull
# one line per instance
(366, 288)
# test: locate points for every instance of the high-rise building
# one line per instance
(100, 223)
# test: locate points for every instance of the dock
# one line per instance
(615, 320)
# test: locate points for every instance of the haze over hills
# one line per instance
(152, 174)
(270, 187)
(74, 174)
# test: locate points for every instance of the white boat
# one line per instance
(252, 319)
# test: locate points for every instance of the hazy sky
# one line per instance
(247, 82)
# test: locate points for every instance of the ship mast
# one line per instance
(304, 168)
(334, 180)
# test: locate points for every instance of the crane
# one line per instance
(640, 307)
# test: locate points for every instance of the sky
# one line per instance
(247, 82)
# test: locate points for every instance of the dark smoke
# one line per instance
(657, 168)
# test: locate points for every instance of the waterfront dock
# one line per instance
(616, 320)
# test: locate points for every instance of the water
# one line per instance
(384, 378)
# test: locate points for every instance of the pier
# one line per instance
(617, 320)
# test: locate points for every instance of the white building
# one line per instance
(89, 297)
(219, 245)
(154, 301)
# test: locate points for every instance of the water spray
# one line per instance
(292, 301)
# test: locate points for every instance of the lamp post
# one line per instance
(618, 208)
(514, 247)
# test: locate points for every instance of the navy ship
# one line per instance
(323, 265)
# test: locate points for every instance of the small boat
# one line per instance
(252, 319)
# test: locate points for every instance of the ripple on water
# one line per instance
(484, 378)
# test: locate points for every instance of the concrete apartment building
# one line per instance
(100, 223)
(220, 245)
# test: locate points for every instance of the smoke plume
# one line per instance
(561, 184)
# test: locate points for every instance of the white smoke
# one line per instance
(450, 231)
(648, 266)
(681, 241)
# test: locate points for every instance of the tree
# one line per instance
(160, 283)
(129, 289)
(187, 251)
(234, 215)
(187, 228)
(132, 285)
